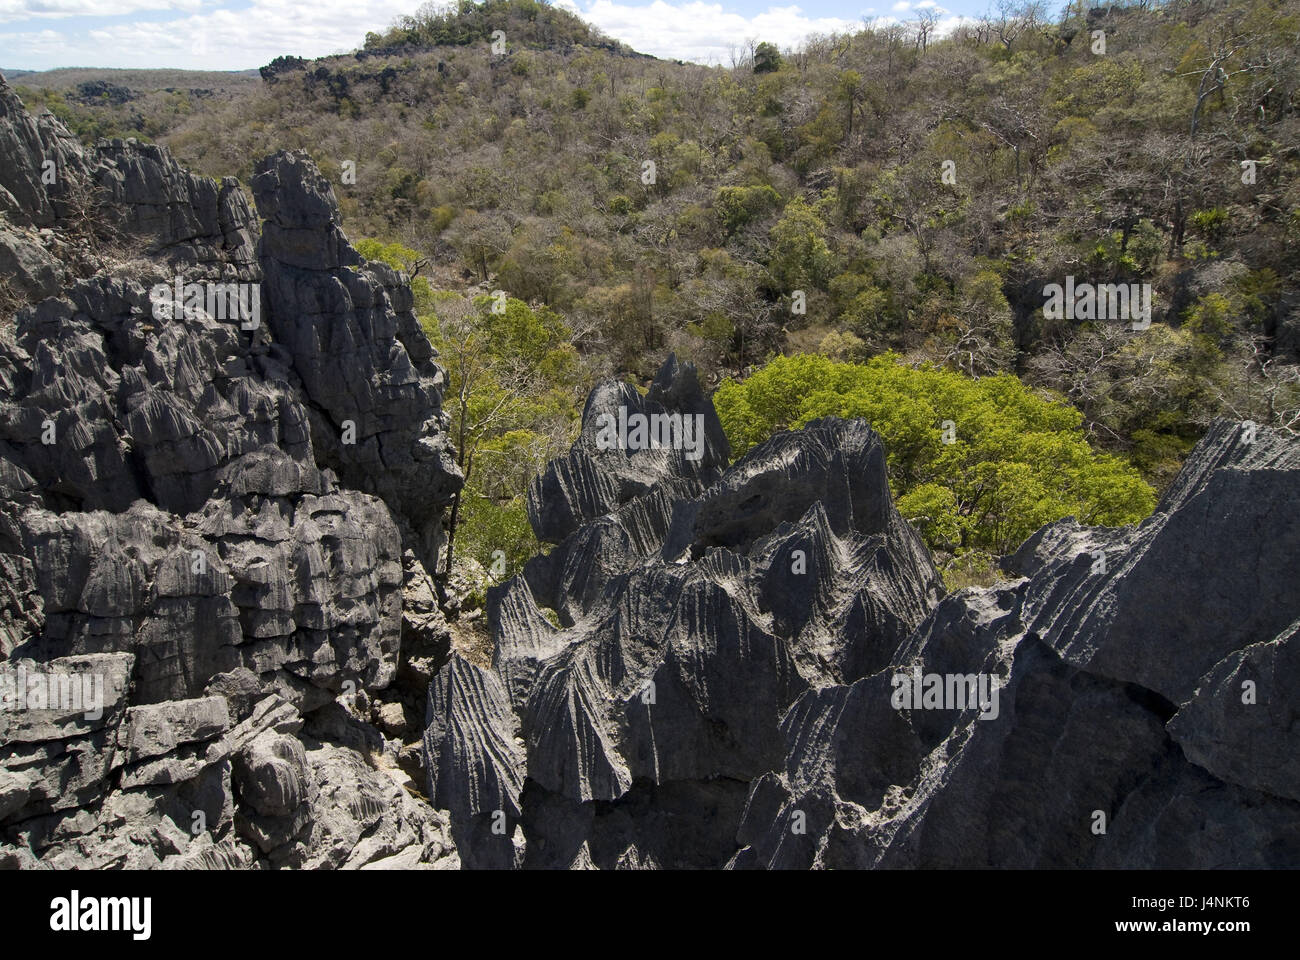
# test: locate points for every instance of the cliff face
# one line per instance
(217, 513)
(742, 671)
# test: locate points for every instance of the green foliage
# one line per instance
(1154, 390)
(767, 58)
(1137, 254)
(488, 525)
(1260, 292)
(402, 258)
(527, 23)
(842, 346)
(801, 259)
(89, 124)
(514, 385)
(971, 569)
(1211, 223)
(1102, 83)
(737, 206)
(1017, 460)
(864, 308)
(1212, 317)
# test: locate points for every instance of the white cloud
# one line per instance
(212, 38)
(12, 11)
(36, 41)
(236, 39)
(701, 31)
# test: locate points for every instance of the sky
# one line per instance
(243, 34)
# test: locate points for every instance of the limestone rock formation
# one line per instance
(478, 766)
(589, 481)
(705, 672)
(692, 613)
(358, 351)
(185, 527)
(1145, 709)
(29, 148)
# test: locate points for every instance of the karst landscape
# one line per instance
(361, 565)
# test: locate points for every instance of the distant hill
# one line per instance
(102, 102)
(529, 24)
(144, 81)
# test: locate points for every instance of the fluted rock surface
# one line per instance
(706, 670)
(478, 763)
(30, 147)
(374, 393)
(184, 523)
(1145, 708)
(692, 612)
(594, 478)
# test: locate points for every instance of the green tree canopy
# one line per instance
(514, 385)
(767, 58)
(1008, 461)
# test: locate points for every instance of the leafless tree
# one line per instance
(1261, 387)
(1220, 68)
(924, 26)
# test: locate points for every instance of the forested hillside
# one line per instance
(885, 190)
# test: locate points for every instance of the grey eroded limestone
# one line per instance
(720, 687)
(1121, 696)
(179, 517)
(685, 633)
(588, 482)
(358, 351)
